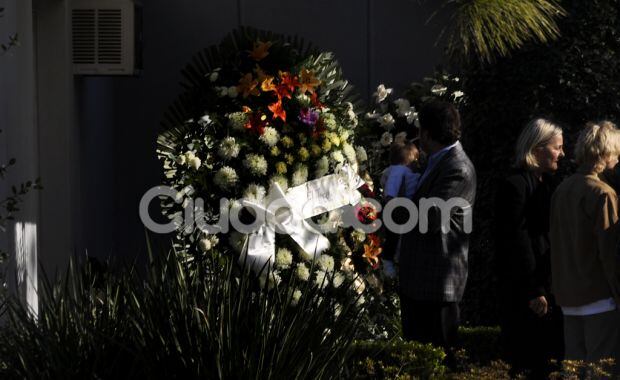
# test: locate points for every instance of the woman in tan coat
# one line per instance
(585, 262)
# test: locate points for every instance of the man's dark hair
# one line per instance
(442, 121)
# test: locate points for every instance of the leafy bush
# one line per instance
(207, 321)
(395, 360)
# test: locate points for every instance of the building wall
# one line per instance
(93, 140)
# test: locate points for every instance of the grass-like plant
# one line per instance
(210, 320)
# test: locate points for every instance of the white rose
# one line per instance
(180, 159)
(195, 162)
(387, 121)
(382, 93)
(386, 139)
(205, 245)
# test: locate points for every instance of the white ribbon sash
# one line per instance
(287, 213)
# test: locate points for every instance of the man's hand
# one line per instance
(539, 305)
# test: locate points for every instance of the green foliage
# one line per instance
(396, 360)
(481, 343)
(571, 80)
(487, 28)
(208, 321)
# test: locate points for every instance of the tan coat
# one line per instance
(585, 232)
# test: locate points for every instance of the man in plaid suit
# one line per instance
(433, 263)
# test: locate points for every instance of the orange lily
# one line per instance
(248, 86)
(261, 50)
(277, 110)
(308, 82)
(289, 82)
(267, 84)
(371, 254)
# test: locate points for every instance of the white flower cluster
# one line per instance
(228, 148)
(284, 258)
(270, 136)
(300, 176)
(190, 159)
(226, 178)
(207, 242)
(255, 193)
(256, 164)
(237, 120)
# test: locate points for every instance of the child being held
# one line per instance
(398, 179)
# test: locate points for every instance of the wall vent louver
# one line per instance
(106, 37)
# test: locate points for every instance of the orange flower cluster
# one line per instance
(372, 250)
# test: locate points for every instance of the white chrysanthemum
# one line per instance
(256, 164)
(387, 121)
(226, 177)
(337, 156)
(194, 162)
(321, 280)
(237, 240)
(300, 175)
(270, 136)
(386, 139)
(329, 120)
(326, 263)
(228, 148)
(284, 258)
(338, 279)
(255, 193)
(237, 120)
(302, 272)
(295, 297)
(280, 180)
(361, 154)
(358, 235)
(400, 138)
(322, 167)
(349, 152)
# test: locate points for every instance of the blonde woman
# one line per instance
(531, 326)
(584, 249)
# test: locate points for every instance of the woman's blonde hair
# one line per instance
(596, 143)
(536, 133)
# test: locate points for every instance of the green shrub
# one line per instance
(481, 343)
(395, 360)
(177, 321)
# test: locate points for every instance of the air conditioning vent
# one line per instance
(106, 37)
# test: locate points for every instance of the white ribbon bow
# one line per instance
(287, 213)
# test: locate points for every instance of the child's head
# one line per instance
(403, 153)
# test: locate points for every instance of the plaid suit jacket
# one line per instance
(433, 265)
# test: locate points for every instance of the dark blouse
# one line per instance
(522, 207)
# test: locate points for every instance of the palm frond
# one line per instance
(490, 28)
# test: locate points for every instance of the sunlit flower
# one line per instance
(382, 93)
(270, 136)
(302, 272)
(326, 263)
(284, 258)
